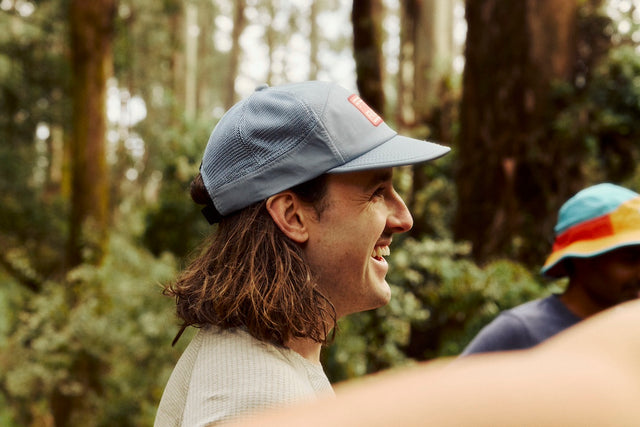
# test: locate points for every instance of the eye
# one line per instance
(379, 192)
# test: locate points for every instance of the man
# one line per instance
(299, 178)
(597, 246)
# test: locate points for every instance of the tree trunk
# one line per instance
(191, 60)
(510, 169)
(177, 35)
(433, 54)
(207, 65)
(91, 27)
(405, 115)
(239, 23)
(91, 30)
(423, 109)
(366, 17)
(270, 36)
(314, 41)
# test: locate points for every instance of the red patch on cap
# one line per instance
(367, 111)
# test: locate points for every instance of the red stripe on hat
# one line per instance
(588, 230)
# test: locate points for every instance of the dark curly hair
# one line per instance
(249, 274)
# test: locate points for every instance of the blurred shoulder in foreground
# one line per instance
(586, 375)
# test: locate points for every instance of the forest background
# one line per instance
(105, 109)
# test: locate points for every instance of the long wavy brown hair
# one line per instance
(249, 274)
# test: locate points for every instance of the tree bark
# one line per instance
(512, 170)
(239, 22)
(91, 30)
(191, 60)
(405, 114)
(91, 27)
(314, 41)
(366, 17)
(207, 66)
(433, 54)
(424, 103)
(177, 35)
(271, 36)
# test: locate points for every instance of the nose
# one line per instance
(400, 219)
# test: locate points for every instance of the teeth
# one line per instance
(380, 251)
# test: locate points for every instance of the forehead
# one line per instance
(361, 179)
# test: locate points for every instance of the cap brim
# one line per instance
(397, 151)
(553, 267)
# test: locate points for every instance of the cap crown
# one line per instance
(282, 136)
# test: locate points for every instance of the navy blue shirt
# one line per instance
(523, 326)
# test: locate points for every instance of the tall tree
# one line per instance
(239, 22)
(424, 102)
(208, 58)
(175, 11)
(91, 27)
(33, 232)
(192, 33)
(314, 41)
(366, 17)
(271, 38)
(426, 55)
(512, 170)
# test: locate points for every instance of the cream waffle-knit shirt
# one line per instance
(227, 374)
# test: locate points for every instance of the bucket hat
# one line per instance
(282, 136)
(596, 220)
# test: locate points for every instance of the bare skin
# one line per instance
(346, 244)
(586, 375)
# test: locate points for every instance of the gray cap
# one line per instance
(282, 136)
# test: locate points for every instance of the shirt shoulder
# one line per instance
(507, 331)
(523, 326)
(232, 374)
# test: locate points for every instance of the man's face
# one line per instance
(348, 240)
(610, 278)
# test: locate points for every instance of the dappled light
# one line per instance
(106, 107)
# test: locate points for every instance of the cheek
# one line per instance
(624, 273)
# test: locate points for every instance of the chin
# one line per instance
(384, 295)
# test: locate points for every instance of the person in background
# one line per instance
(299, 180)
(597, 245)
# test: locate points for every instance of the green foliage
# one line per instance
(100, 337)
(174, 223)
(440, 300)
(33, 75)
(615, 99)
(433, 198)
(603, 115)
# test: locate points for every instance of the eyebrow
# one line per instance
(381, 176)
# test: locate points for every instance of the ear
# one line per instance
(289, 214)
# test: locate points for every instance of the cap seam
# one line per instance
(300, 131)
(332, 145)
(265, 165)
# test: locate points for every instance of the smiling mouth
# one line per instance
(380, 251)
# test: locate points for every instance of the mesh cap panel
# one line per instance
(257, 137)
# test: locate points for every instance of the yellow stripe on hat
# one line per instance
(627, 216)
(625, 221)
